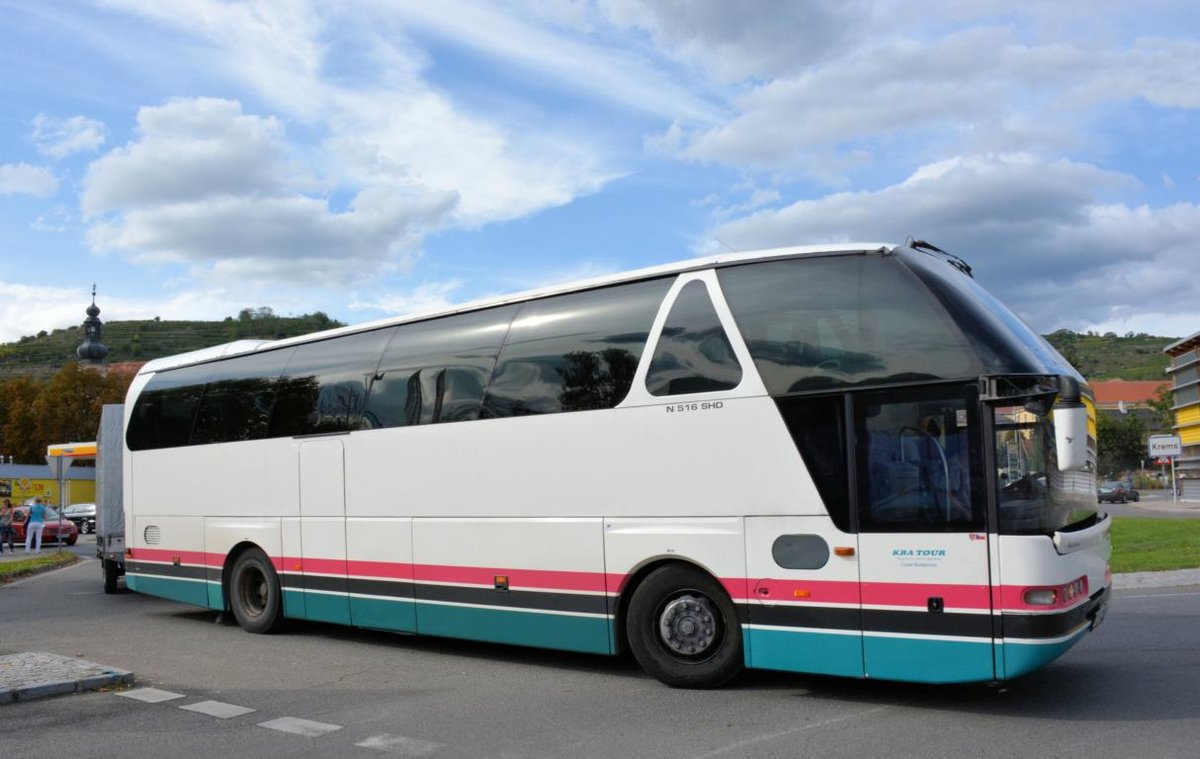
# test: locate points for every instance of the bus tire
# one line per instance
(683, 629)
(254, 594)
(110, 575)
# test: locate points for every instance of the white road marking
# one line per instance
(299, 726)
(398, 744)
(218, 709)
(150, 695)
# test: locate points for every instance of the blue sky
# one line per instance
(376, 157)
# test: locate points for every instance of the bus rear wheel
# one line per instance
(683, 629)
(254, 594)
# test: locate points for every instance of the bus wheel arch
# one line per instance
(252, 589)
(681, 625)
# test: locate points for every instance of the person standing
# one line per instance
(6, 526)
(34, 526)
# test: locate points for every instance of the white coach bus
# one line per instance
(846, 460)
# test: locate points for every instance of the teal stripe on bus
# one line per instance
(1022, 658)
(928, 660)
(216, 597)
(803, 651)
(384, 614)
(591, 635)
(184, 591)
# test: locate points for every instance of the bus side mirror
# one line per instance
(1070, 437)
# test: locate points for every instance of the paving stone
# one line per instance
(37, 674)
(299, 726)
(218, 709)
(400, 745)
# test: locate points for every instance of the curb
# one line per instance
(1167, 579)
(33, 675)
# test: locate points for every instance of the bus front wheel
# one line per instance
(254, 594)
(683, 629)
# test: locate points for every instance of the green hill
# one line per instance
(1110, 356)
(43, 354)
(1098, 357)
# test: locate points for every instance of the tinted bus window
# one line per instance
(324, 387)
(239, 397)
(693, 354)
(436, 371)
(917, 461)
(166, 408)
(574, 352)
(817, 323)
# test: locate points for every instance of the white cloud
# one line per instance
(1035, 232)
(985, 81)
(426, 297)
(57, 219)
(23, 179)
(210, 187)
(732, 42)
(59, 138)
(56, 307)
(191, 149)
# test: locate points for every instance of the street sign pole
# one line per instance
(1168, 446)
(58, 467)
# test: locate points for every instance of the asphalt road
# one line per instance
(1129, 690)
(1156, 504)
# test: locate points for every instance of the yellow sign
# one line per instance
(72, 450)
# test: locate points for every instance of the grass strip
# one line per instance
(1155, 545)
(12, 570)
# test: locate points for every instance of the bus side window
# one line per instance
(324, 387)
(818, 427)
(436, 371)
(693, 354)
(238, 398)
(166, 409)
(574, 352)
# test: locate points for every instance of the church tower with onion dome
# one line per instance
(92, 352)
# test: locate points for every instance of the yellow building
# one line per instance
(21, 481)
(1185, 384)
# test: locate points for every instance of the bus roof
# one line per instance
(704, 262)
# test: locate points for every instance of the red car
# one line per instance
(50, 533)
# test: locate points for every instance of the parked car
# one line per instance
(1116, 492)
(50, 533)
(83, 515)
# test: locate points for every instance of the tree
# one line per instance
(68, 407)
(1121, 443)
(17, 397)
(64, 409)
(1160, 404)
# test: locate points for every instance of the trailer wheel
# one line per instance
(254, 594)
(111, 572)
(683, 629)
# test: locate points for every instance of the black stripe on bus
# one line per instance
(1035, 626)
(515, 599)
(874, 620)
(177, 571)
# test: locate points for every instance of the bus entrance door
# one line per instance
(803, 607)
(323, 530)
(923, 541)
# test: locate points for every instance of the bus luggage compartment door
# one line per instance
(803, 608)
(323, 530)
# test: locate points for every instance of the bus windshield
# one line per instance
(1035, 497)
